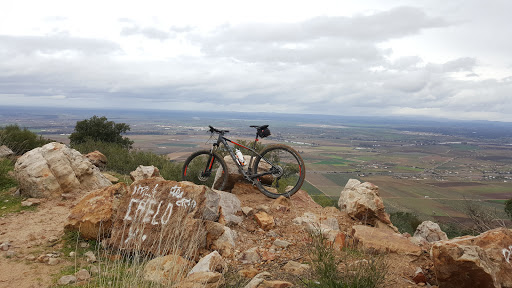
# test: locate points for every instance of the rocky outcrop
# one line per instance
(430, 232)
(230, 208)
(163, 217)
(93, 215)
(383, 241)
(145, 172)
(54, 169)
(167, 269)
(475, 261)
(97, 158)
(362, 201)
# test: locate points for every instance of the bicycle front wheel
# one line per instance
(205, 168)
(281, 171)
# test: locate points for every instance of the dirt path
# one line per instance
(29, 233)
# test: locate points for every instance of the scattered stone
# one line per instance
(5, 151)
(72, 254)
(84, 245)
(250, 256)
(111, 178)
(258, 279)
(82, 275)
(145, 172)
(362, 201)
(295, 268)
(30, 202)
(281, 243)
(66, 280)
(52, 239)
(248, 211)
(430, 231)
(97, 158)
(248, 273)
(275, 284)
(167, 269)
(474, 261)
(5, 246)
(381, 240)
(54, 169)
(53, 261)
(212, 262)
(42, 258)
(419, 276)
(203, 280)
(94, 270)
(90, 257)
(225, 244)
(230, 208)
(30, 258)
(265, 221)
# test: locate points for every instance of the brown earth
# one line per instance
(30, 234)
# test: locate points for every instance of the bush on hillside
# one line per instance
(124, 161)
(405, 222)
(100, 130)
(508, 208)
(20, 140)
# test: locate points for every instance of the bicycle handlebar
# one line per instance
(214, 130)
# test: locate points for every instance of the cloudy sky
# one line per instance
(437, 58)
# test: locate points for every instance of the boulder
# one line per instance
(475, 261)
(162, 217)
(225, 244)
(93, 215)
(202, 280)
(5, 151)
(430, 231)
(383, 241)
(97, 159)
(362, 201)
(295, 268)
(234, 175)
(145, 172)
(230, 208)
(55, 169)
(212, 262)
(167, 269)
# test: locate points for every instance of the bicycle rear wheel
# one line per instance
(282, 170)
(205, 168)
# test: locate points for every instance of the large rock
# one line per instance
(166, 270)
(212, 262)
(162, 217)
(383, 241)
(362, 201)
(93, 214)
(97, 158)
(430, 231)
(54, 169)
(5, 151)
(145, 172)
(230, 208)
(234, 175)
(475, 261)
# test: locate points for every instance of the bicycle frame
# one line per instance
(247, 175)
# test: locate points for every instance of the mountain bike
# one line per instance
(277, 170)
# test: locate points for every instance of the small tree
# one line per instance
(20, 140)
(99, 129)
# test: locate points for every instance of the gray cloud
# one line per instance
(325, 64)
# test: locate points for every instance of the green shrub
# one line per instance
(99, 129)
(124, 161)
(508, 208)
(405, 222)
(6, 182)
(345, 269)
(20, 140)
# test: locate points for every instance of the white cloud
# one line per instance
(323, 58)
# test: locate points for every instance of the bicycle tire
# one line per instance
(196, 164)
(287, 179)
